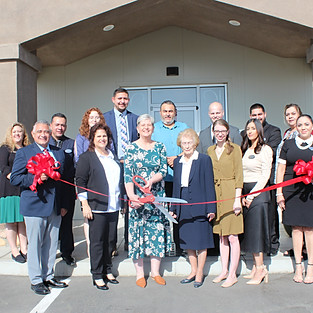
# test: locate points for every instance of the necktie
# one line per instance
(123, 128)
(59, 143)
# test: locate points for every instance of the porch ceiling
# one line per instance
(258, 31)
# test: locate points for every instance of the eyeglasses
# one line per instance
(223, 132)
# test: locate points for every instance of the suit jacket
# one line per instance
(132, 126)
(68, 172)
(201, 186)
(90, 174)
(48, 195)
(206, 141)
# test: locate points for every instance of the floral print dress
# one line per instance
(149, 229)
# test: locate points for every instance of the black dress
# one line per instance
(298, 197)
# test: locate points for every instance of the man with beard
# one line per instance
(166, 131)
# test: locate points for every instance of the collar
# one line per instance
(42, 148)
(118, 113)
(174, 126)
(193, 157)
(110, 156)
(300, 141)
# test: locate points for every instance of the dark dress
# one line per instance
(298, 197)
(195, 230)
(9, 194)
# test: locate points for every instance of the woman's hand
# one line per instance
(173, 214)
(148, 184)
(281, 201)
(211, 216)
(87, 211)
(246, 202)
(135, 202)
(9, 176)
(237, 206)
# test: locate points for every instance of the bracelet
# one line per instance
(279, 194)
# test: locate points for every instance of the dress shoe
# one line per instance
(69, 260)
(141, 282)
(219, 278)
(198, 284)
(24, 255)
(113, 281)
(54, 283)
(19, 258)
(257, 280)
(40, 289)
(159, 280)
(228, 283)
(188, 280)
(100, 287)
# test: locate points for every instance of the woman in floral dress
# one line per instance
(149, 230)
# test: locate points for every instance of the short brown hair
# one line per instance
(92, 134)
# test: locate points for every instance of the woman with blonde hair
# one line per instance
(15, 139)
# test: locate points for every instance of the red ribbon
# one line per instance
(306, 169)
(42, 163)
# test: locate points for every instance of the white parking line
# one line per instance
(43, 305)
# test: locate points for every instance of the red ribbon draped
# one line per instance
(42, 163)
(306, 169)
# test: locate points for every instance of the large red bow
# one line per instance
(306, 169)
(42, 163)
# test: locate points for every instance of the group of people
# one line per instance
(112, 148)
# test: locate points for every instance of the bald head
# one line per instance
(216, 111)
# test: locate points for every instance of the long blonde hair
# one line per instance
(8, 141)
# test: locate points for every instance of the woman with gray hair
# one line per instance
(149, 230)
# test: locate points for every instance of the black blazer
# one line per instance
(90, 174)
(201, 186)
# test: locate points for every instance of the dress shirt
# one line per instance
(117, 113)
(168, 136)
(48, 149)
(186, 167)
(112, 172)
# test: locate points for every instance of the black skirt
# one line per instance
(256, 236)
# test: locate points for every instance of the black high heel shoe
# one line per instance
(103, 287)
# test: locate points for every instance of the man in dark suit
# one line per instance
(216, 112)
(58, 127)
(272, 137)
(123, 125)
(41, 210)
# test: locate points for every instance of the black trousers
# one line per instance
(273, 222)
(66, 231)
(102, 235)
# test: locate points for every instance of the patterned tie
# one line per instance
(124, 139)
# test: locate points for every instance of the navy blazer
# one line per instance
(132, 126)
(48, 195)
(90, 174)
(201, 186)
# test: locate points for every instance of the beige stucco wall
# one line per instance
(17, 17)
(252, 76)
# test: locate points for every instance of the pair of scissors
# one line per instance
(150, 198)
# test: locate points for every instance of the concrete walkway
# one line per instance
(171, 266)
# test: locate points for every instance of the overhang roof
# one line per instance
(259, 31)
